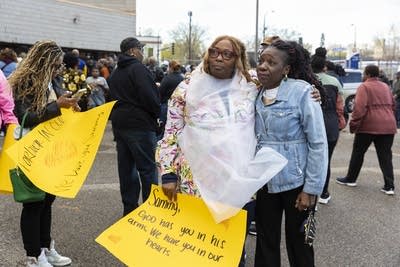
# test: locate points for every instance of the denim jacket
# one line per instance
(294, 126)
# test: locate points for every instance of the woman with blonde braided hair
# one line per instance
(34, 94)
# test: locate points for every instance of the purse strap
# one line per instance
(22, 124)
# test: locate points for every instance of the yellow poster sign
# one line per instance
(170, 234)
(58, 154)
(5, 162)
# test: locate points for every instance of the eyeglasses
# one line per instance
(226, 54)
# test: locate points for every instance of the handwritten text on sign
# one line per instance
(170, 234)
(58, 154)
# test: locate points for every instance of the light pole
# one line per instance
(355, 37)
(190, 35)
(158, 48)
(264, 26)
(256, 39)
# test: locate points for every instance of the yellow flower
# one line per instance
(83, 78)
(72, 87)
(76, 79)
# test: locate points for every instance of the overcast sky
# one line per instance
(334, 18)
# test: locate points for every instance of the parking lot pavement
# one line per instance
(359, 227)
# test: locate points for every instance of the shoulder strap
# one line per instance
(2, 68)
(22, 124)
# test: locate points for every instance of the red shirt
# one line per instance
(374, 109)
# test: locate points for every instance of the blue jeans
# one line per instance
(136, 165)
(163, 119)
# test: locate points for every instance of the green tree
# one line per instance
(180, 36)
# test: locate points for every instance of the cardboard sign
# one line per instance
(57, 154)
(171, 234)
(5, 162)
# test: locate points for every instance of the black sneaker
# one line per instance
(324, 198)
(345, 181)
(252, 228)
(388, 190)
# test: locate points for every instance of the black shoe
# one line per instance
(324, 198)
(345, 181)
(388, 190)
(252, 229)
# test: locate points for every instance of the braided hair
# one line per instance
(32, 77)
(298, 58)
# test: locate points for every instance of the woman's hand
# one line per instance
(316, 95)
(169, 190)
(66, 101)
(303, 201)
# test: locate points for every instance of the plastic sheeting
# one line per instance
(219, 143)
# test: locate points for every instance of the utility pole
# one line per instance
(190, 36)
(256, 39)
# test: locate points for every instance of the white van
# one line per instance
(351, 82)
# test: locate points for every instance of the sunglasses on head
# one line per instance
(226, 54)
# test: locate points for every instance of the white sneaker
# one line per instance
(54, 258)
(41, 261)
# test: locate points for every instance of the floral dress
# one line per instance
(169, 154)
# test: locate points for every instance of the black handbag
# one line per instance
(24, 190)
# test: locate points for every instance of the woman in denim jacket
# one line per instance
(290, 122)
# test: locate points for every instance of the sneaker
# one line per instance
(388, 191)
(324, 198)
(40, 261)
(54, 258)
(345, 181)
(252, 228)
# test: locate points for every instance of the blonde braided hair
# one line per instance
(35, 72)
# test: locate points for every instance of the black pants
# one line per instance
(136, 165)
(36, 225)
(269, 209)
(250, 208)
(331, 148)
(383, 145)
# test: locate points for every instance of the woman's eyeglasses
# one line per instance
(226, 54)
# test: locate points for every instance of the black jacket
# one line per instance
(169, 84)
(138, 100)
(50, 111)
(331, 118)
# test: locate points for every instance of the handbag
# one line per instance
(309, 225)
(24, 190)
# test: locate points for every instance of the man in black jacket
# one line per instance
(134, 121)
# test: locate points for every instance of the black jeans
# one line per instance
(136, 165)
(269, 209)
(36, 225)
(331, 148)
(250, 208)
(383, 145)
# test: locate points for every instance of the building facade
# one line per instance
(84, 24)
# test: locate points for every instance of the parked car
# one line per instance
(351, 81)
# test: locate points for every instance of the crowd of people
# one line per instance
(163, 119)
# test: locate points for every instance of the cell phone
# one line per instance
(78, 94)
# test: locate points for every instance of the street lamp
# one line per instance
(264, 26)
(256, 39)
(190, 35)
(355, 37)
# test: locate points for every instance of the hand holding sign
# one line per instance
(170, 234)
(58, 154)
